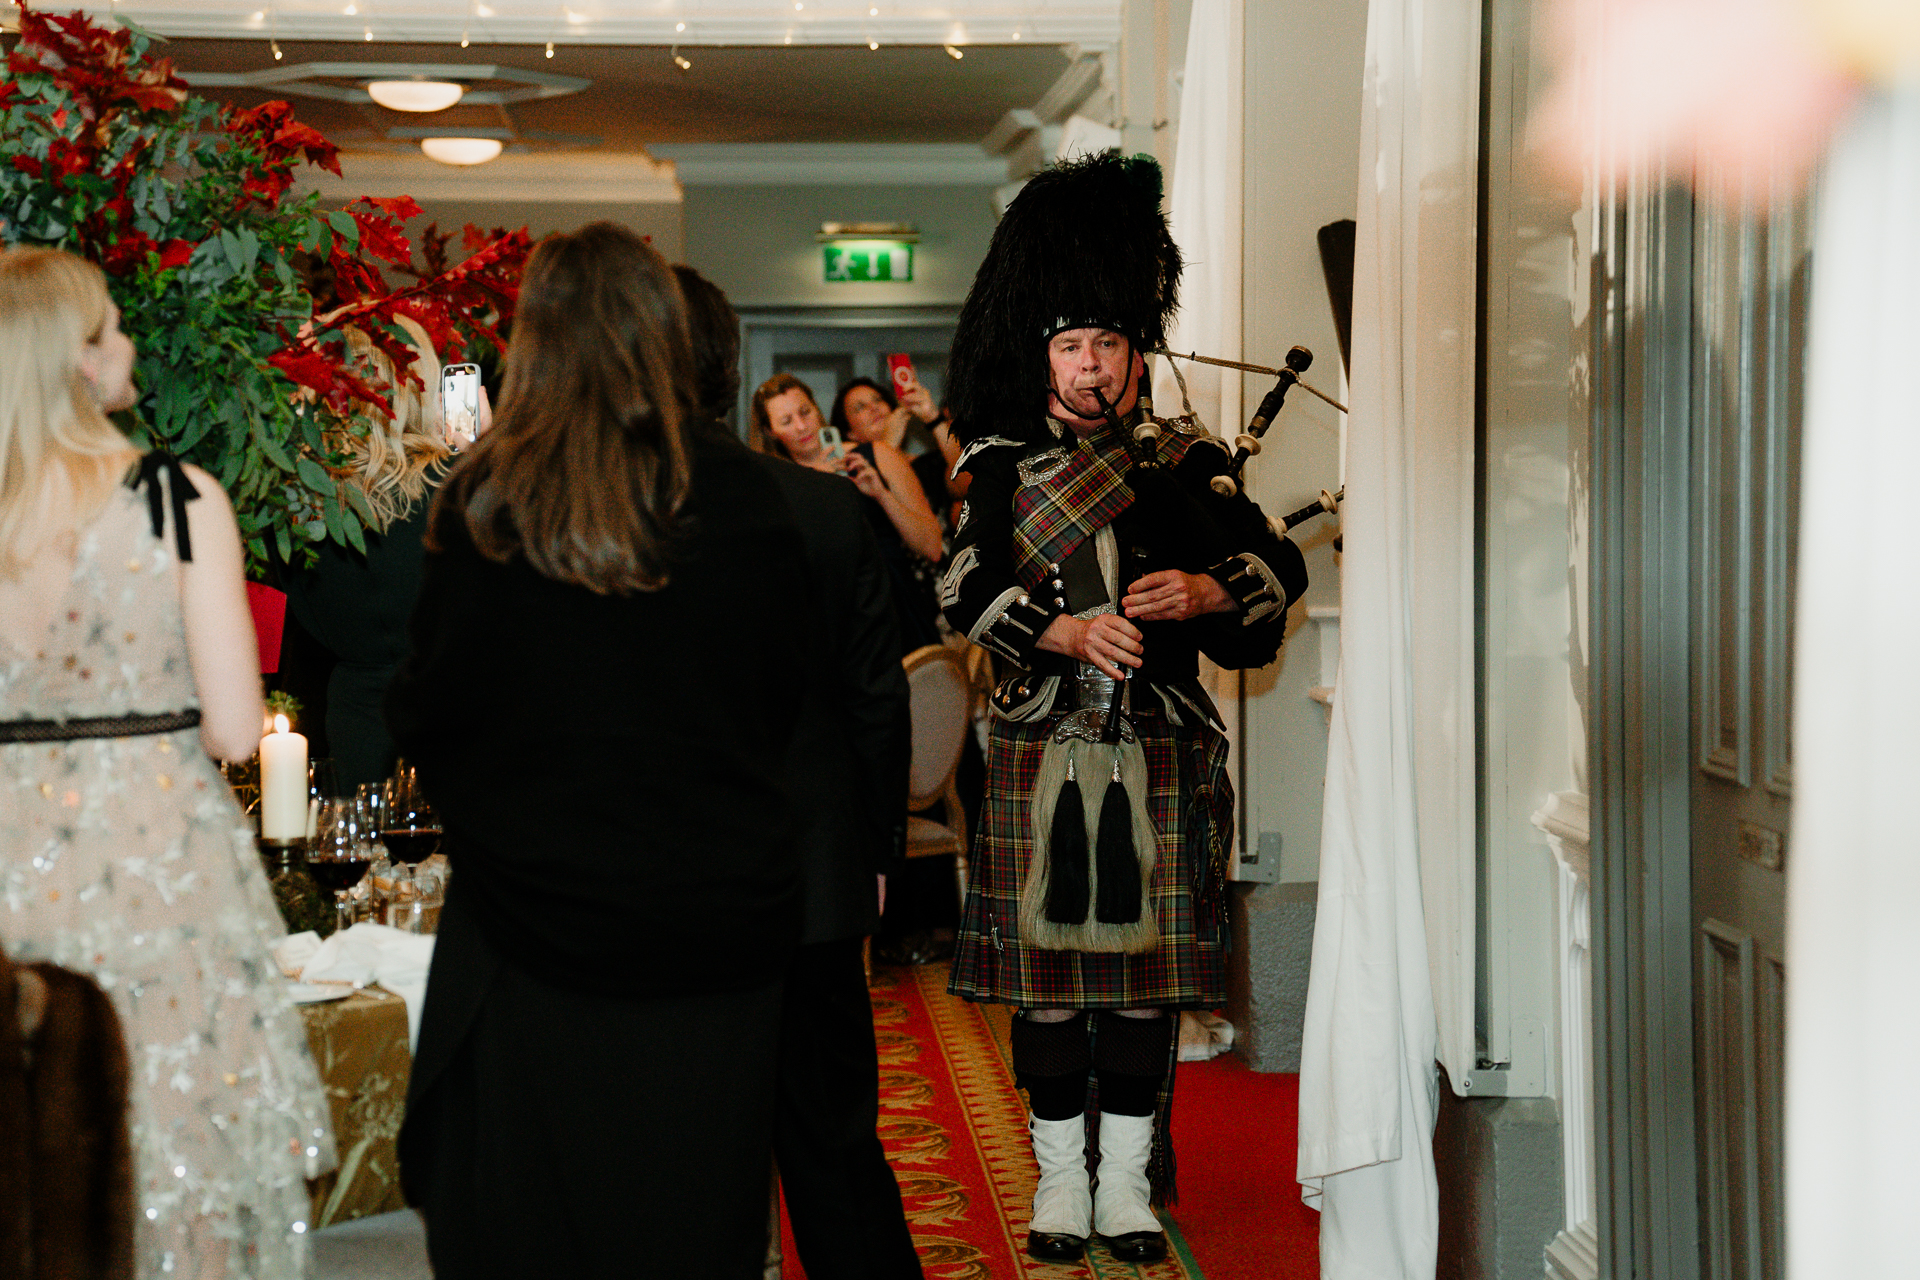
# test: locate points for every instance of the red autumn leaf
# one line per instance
(28, 165)
(382, 237)
(175, 253)
(400, 207)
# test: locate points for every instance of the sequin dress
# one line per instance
(128, 860)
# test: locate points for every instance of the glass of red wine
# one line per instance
(412, 830)
(339, 856)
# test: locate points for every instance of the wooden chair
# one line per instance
(941, 693)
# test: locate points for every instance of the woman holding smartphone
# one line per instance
(348, 611)
(786, 422)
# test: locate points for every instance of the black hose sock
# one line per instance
(1051, 1061)
(1132, 1046)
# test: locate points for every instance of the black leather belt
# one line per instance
(129, 726)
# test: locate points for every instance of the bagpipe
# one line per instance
(1247, 443)
(1094, 846)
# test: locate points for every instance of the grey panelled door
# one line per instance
(1750, 276)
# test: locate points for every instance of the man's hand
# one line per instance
(1171, 596)
(1108, 641)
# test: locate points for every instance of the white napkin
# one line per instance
(292, 952)
(363, 955)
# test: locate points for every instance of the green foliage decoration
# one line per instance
(188, 207)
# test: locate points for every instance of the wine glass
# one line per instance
(412, 829)
(338, 857)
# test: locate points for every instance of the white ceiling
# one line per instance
(1092, 24)
(755, 110)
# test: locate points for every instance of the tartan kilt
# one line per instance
(1191, 803)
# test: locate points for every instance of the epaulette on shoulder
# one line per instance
(981, 446)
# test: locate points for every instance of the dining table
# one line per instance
(359, 1043)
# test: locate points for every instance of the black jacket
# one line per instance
(1175, 521)
(608, 769)
(847, 768)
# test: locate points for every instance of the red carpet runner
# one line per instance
(955, 1130)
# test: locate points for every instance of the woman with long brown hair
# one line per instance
(127, 657)
(599, 709)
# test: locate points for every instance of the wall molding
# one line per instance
(1574, 1254)
(828, 164)
(551, 178)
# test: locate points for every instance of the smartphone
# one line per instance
(830, 441)
(460, 404)
(901, 368)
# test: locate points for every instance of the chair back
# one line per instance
(940, 697)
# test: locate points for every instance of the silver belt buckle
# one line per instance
(1093, 694)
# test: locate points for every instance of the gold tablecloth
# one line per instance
(360, 1046)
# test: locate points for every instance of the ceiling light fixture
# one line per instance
(954, 53)
(549, 48)
(679, 61)
(679, 26)
(483, 10)
(873, 44)
(349, 10)
(275, 46)
(415, 95)
(369, 35)
(461, 151)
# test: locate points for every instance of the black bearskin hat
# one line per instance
(1084, 245)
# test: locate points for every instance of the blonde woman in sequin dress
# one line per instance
(122, 853)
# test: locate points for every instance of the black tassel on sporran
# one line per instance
(1118, 901)
(1067, 889)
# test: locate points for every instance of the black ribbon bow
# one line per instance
(179, 489)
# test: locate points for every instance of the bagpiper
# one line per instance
(1094, 557)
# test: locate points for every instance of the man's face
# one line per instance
(1083, 360)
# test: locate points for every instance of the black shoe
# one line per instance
(925, 946)
(1053, 1246)
(1134, 1246)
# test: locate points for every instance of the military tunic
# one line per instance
(1055, 525)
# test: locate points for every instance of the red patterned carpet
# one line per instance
(955, 1129)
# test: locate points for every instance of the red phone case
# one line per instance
(900, 367)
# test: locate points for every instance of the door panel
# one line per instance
(1750, 295)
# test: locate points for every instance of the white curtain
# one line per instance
(1853, 864)
(1204, 212)
(1393, 945)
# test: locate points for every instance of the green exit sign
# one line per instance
(846, 261)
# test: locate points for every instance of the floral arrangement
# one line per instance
(187, 206)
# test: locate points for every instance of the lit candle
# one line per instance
(283, 783)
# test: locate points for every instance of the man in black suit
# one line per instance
(848, 772)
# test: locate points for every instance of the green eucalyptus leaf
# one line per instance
(315, 477)
(355, 538)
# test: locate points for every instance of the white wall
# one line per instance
(757, 242)
(1302, 123)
